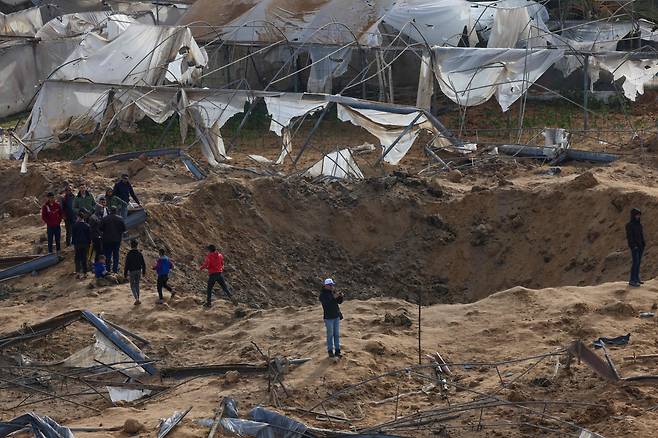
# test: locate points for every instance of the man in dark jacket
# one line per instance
(635, 238)
(112, 226)
(51, 215)
(81, 240)
(133, 269)
(330, 300)
(96, 235)
(70, 215)
(124, 190)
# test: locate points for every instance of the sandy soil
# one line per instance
(553, 245)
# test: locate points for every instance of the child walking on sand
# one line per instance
(162, 268)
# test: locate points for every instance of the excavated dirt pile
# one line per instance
(399, 236)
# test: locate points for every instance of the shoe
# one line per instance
(331, 354)
(633, 284)
(137, 303)
(337, 354)
(207, 305)
(173, 294)
(159, 302)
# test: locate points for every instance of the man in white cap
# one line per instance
(330, 300)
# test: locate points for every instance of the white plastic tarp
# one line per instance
(387, 127)
(210, 111)
(321, 21)
(327, 63)
(282, 110)
(105, 352)
(286, 107)
(78, 24)
(519, 23)
(137, 56)
(589, 37)
(339, 164)
(636, 72)
(22, 23)
(439, 22)
(150, 13)
(118, 394)
(471, 76)
(62, 107)
(24, 65)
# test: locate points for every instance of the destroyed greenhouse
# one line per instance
(464, 171)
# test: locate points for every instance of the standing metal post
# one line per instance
(585, 92)
(419, 324)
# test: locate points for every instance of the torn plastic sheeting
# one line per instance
(127, 395)
(284, 427)
(286, 107)
(43, 328)
(71, 25)
(328, 63)
(636, 73)
(62, 107)
(134, 56)
(520, 24)
(24, 65)
(327, 21)
(104, 351)
(471, 76)
(23, 23)
(339, 164)
(387, 127)
(42, 426)
(164, 14)
(166, 425)
(440, 22)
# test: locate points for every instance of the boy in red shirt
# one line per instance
(52, 215)
(214, 263)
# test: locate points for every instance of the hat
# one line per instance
(329, 282)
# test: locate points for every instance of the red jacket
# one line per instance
(214, 263)
(52, 214)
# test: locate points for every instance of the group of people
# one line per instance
(96, 227)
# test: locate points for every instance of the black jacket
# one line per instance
(124, 190)
(95, 225)
(134, 262)
(112, 227)
(81, 234)
(634, 233)
(330, 304)
(67, 206)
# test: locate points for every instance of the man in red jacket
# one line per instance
(52, 215)
(214, 263)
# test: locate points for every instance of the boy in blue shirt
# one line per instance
(162, 268)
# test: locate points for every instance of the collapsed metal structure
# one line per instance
(473, 51)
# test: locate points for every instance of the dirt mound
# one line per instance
(280, 238)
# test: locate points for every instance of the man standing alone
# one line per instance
(52, 215)
(112, 227)
(635, 238)
(330, 300)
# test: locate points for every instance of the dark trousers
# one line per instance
(54, 233)
(162, 284)
(81, 252)
(636, 259)
(68, 224)
(112, 255)
(96, 248)
(217, 277)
